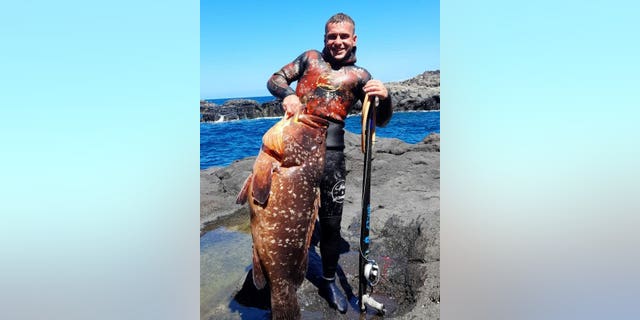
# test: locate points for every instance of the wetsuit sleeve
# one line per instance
(279, 82)
(384, 111)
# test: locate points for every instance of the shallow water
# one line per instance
(225, 259)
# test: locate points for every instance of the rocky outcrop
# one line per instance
(418, 93)
(405, 220)
(238, 109)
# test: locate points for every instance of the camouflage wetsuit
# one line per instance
(328, 88)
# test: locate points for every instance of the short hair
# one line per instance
(339, 18)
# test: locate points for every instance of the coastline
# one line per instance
(420, 93)
(348, 116)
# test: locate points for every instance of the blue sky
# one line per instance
(243, 42)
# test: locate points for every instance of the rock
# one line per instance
(391, 145)
(431, 142)
(208, 111)
(240, 109)
(421, 92)
(405, 220)
(219, 187)
(272, 109)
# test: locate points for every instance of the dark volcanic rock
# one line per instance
(219, 187)
(239, 109)
(207, 111)
(271, 109)
(418, 93)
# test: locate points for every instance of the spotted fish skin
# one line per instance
(284, 196)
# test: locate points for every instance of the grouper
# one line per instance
(284, 196)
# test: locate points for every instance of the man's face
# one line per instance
(339, 39)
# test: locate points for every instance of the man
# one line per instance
(329, 84)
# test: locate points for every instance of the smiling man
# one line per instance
(329, 85)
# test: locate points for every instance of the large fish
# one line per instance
(284, 196)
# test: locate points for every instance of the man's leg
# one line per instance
(332, 189)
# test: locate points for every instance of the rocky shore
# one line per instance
(405, 221)
(421, 92)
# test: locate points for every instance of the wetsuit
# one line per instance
(328, 88)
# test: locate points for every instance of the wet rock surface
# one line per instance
(405, 225)
(421, 92)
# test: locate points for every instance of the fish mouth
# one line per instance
(313, 121)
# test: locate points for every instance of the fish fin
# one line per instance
(244, 192)
(314, 217)
(273, 140)
(302, 271)
(258, 275)
(310, 229)
(316, 204)
(312, 224)
(261, 185)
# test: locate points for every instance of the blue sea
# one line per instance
(222, 143)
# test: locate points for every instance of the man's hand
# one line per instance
(291, 105)
(376, 88)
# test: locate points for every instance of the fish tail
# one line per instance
(284, 304)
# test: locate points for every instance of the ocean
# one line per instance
(224, 142)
